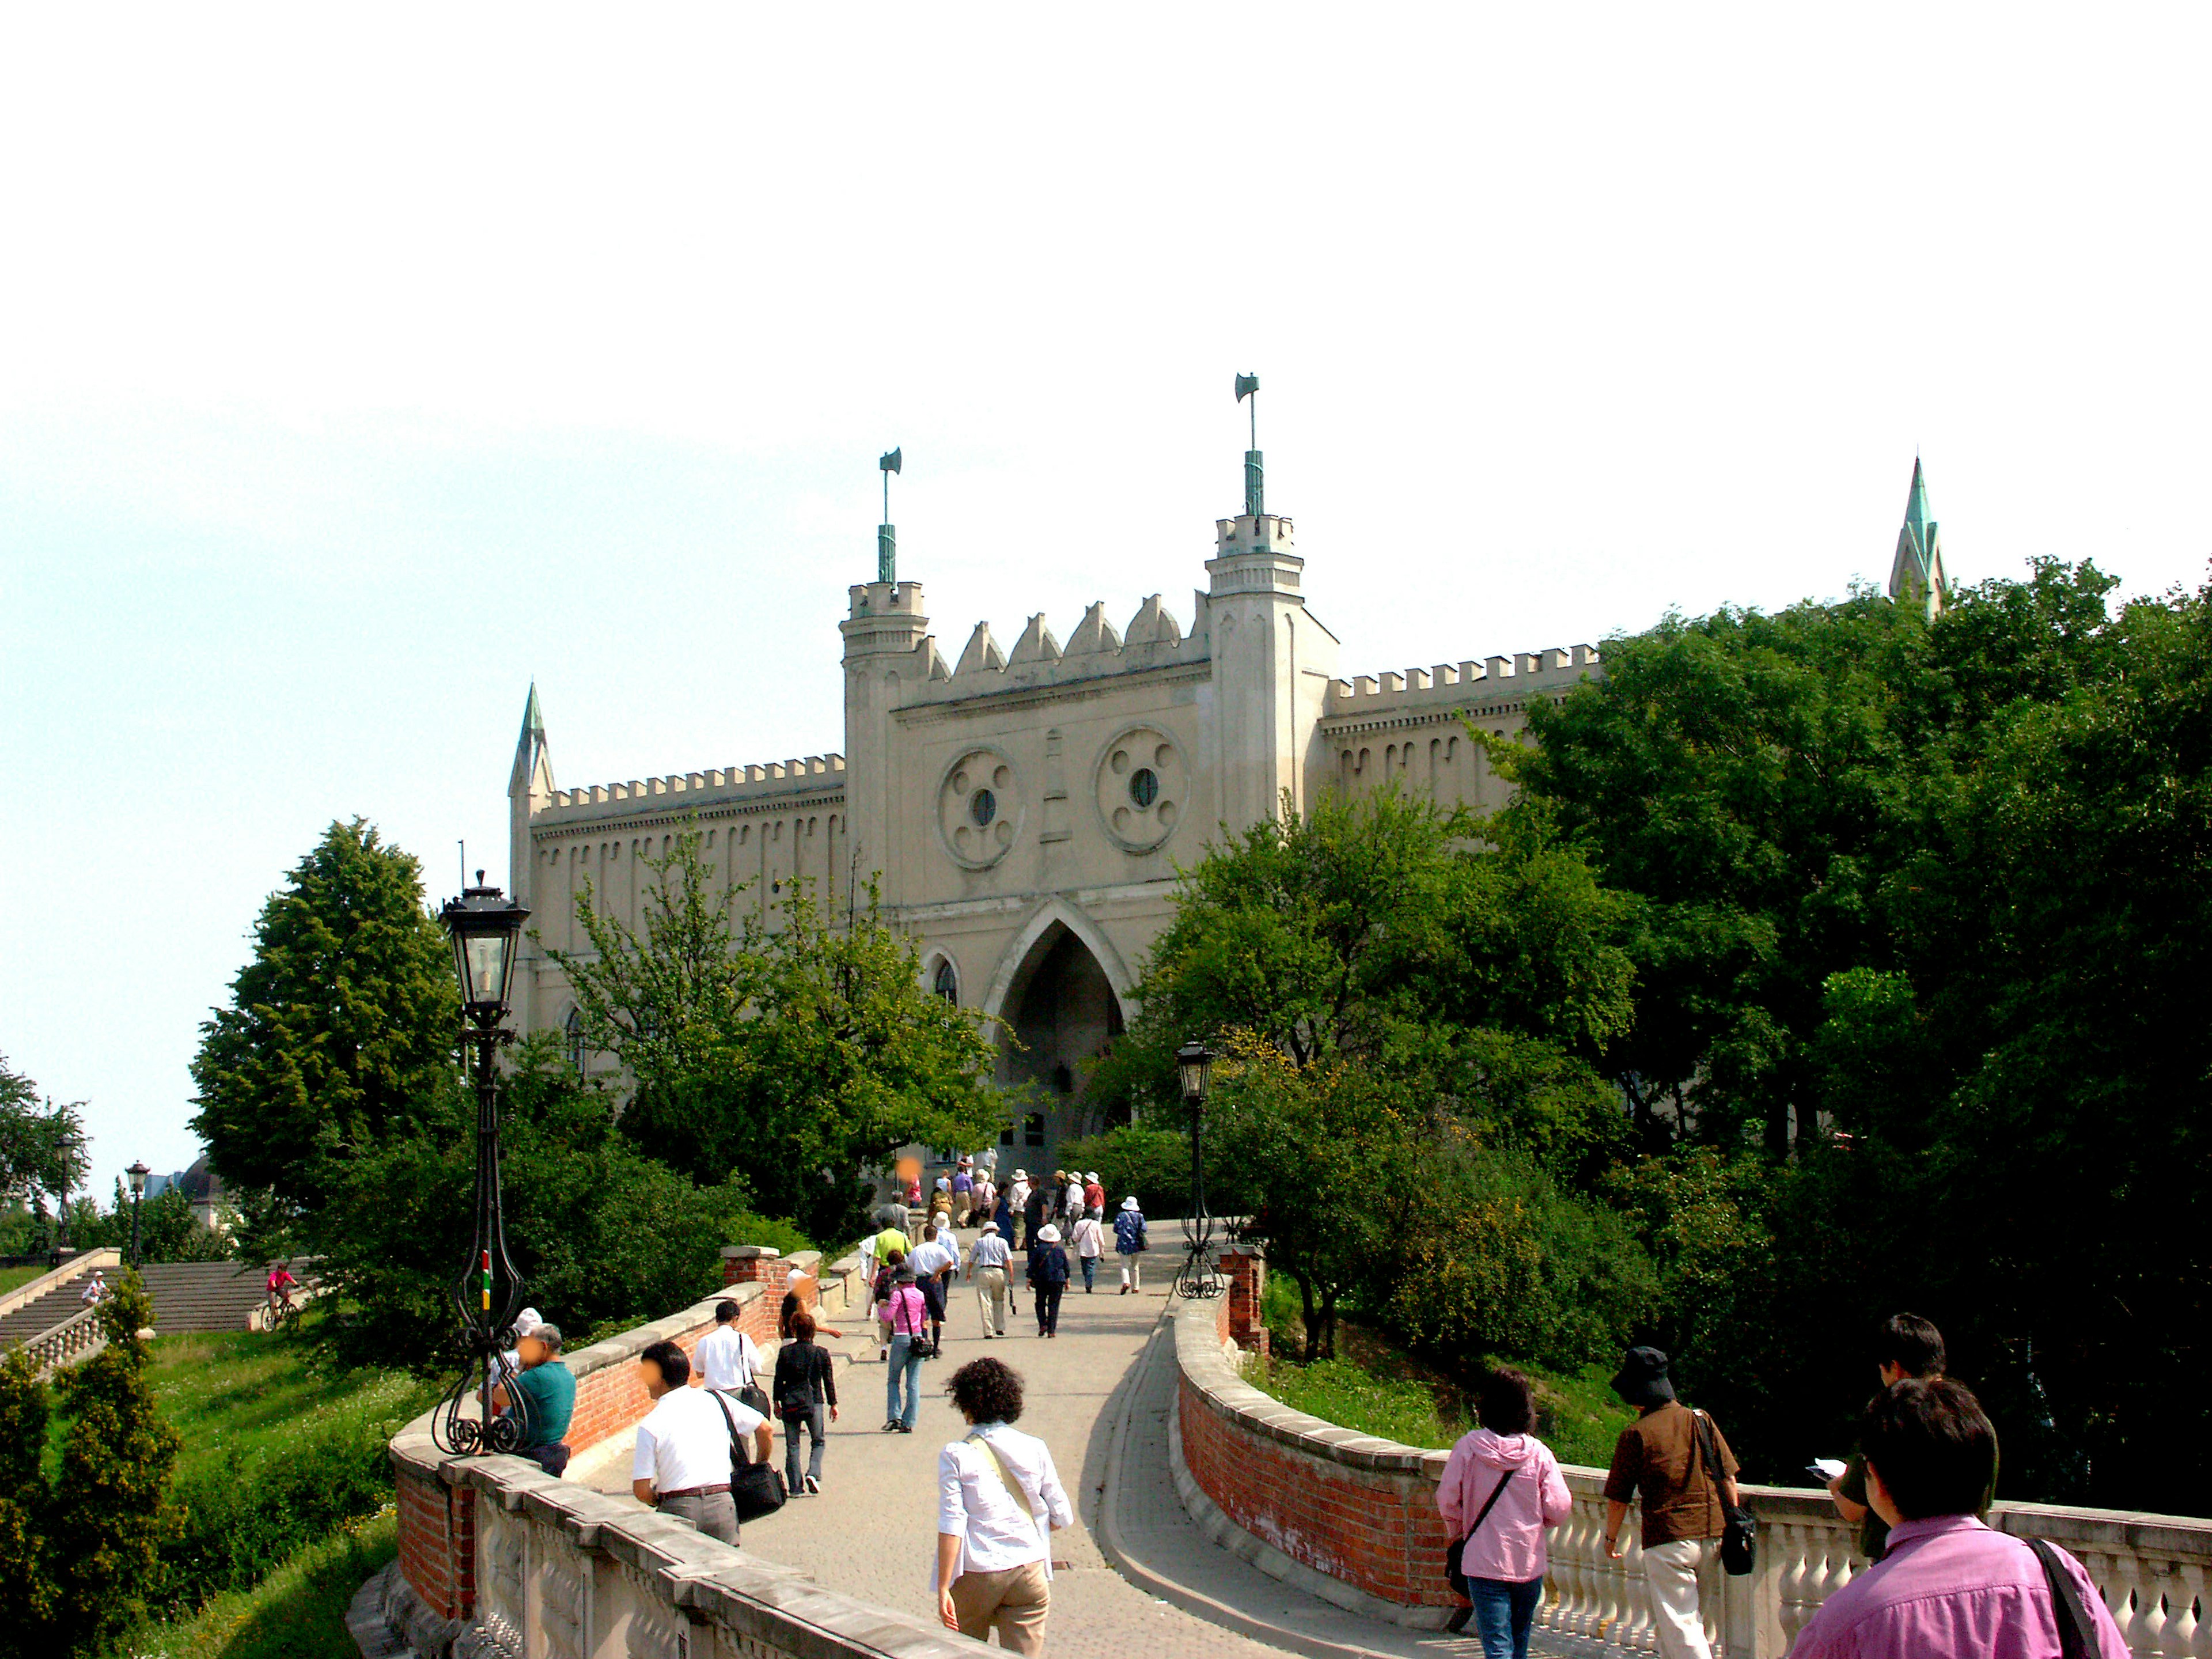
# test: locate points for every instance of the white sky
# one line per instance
(352, 376)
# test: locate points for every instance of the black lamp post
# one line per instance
(137, 1172)
(1194, 1066)
(487, 934)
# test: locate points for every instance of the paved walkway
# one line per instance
(1105, 1384)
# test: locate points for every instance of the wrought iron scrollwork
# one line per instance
(488, 1291)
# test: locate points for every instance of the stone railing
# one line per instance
(73, 1339)
(80, 1263)
(1352, 1519)
(497, 1557)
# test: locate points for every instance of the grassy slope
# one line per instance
(298, 1611)
(14, 1279)
(1377, 1388)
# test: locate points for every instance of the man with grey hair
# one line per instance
(544, 1398)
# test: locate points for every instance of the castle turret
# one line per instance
(1915, 577)
(1272, 662)
(529, 789)
(888, 651)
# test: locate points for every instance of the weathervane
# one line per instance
(1255, 494)
(886, 533)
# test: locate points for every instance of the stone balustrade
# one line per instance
(72, 1340)
(1352, 1519)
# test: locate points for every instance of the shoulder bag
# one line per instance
(2077, 1626)
(1739, 1526)
(1452, 1553)
(749, 1387)
(918, 1344)
(755, 1489)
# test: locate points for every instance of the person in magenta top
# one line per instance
(1949, 1587)
(1504, 1557)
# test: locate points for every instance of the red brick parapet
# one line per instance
(1245, 1267)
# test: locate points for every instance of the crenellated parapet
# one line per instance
(1094, 648)
(676, 791)
(1501, 682)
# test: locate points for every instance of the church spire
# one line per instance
(529, 751)
(1916, 577)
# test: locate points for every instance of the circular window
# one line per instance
(1144, 785)
(982, 807)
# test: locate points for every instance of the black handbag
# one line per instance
(755, 1489)
(1739, 1527)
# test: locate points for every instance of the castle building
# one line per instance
(1023, 810)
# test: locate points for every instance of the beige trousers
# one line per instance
(1671, 1572)
(1013, 1603)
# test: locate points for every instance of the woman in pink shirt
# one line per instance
(1502, 1488)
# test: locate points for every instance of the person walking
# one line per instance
(682, 1466)
(934, 1260)
(726, 1359)
(1908, 1346)
(1129, 1241)
(999, 1500)
(542, 1399)
(1094, 1195)
(1037, 1214)
(1070, 1198)
(880, 1293)
(1949, 1587)
(1502, 1489)
(805, 1390)
(1048, 1274)
(909, 1321)
(1662, 1460)
(1089, 1237)
(963, 1193)
(987, 1271)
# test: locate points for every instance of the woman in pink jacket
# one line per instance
(1502, 1488)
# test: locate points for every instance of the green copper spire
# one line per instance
(533, 722)
(1916, 575)
(1255, 483)
(887, 533)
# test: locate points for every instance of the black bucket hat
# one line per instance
(1641, 1381)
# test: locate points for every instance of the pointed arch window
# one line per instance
(945, 982)
(571, 1031)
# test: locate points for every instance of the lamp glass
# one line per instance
(138, 1172)
(486, 960)
(1193, 1062)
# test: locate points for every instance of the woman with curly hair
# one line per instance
(999, 1500)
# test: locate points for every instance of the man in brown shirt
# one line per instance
(1658, 1463)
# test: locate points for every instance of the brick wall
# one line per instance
(1359, 1511)
(438, 1543)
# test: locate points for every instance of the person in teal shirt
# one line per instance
(544, 1399)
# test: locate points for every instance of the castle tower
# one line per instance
(1916, 577)
(529, 789)
(1272, 662)
(888, 649)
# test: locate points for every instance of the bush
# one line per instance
(1152, 1164)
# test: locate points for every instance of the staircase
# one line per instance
(43, 1312)
(212, 1295)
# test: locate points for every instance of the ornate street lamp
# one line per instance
(137, 1172)
(1194, 1066)
(487, 935)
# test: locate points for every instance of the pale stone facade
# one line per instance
(1025, 809)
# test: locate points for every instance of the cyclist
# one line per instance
(281, 1285)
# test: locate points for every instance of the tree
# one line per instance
(600, 1234)
(42, 1146)
(339, 1029)
(117, 1461)
(1317, 1142)
(1476, 958)
(796, 1049)
(27, 1592)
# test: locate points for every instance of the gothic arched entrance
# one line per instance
(1059, 1012)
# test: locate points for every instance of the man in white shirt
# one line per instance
(683, 1463)
(1018, 1195)
(987, 1271)
(999, 1500)
(934, 1260)
(726, 1357)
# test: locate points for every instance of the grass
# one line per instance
(297, 1612)
(14, 1279)
(1375, 1386)
(259, 1396)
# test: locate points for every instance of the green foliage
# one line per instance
(599, 1231)
(1489, 1255)
(1474, 962)
(794, 1045)
(338, 1030)
(297, 1612)
(1151, 1163)
(42, 1151)
(1348, 1395)
(27, 1598)
(167, 1228)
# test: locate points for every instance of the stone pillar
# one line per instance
(1245, 1268)
(757, 1264)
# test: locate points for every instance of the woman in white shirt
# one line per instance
(1090, 1241)
(999, 1500)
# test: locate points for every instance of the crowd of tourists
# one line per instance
(1941, 1582)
